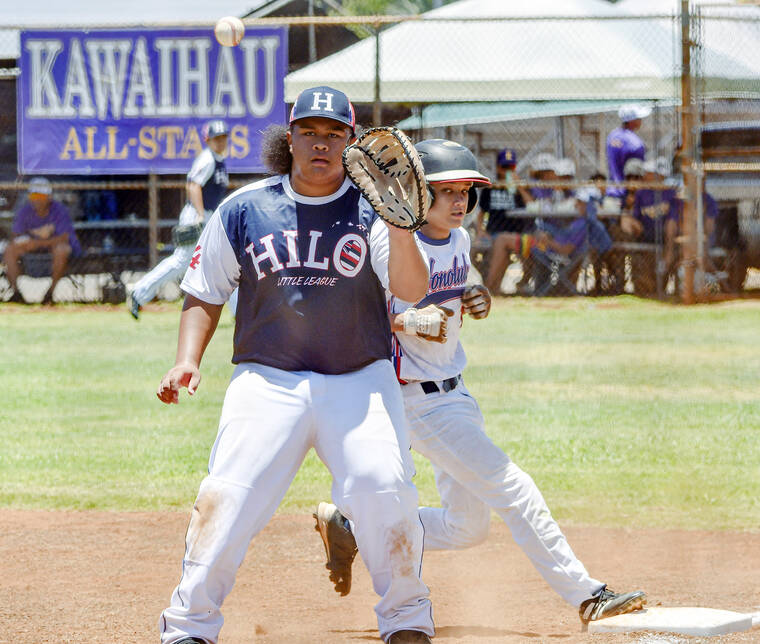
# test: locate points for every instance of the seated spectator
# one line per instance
(41, 226)
(551, 239)
(542, 168)
(493, 217)
(496, 202)
(563, 198)
(650, 217)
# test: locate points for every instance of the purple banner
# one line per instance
(134, 101)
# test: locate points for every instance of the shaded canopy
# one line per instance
(429, 60)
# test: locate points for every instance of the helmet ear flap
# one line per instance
(431, 193)
(472, 198)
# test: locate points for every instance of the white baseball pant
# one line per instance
(473, 476)
(171, 268)
(269, 420)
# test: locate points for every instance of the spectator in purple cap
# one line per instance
(495, 226)
(624, 143)
(496, 202)
(42, 225)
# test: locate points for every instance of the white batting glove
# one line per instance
(429, 323)
(476, 301)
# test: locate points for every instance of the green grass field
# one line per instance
(625, 412)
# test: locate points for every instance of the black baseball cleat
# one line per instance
(608, 604)
(191, 640)
(340, 545)
(134, 310)
(409, 637)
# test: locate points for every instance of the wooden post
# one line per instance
(377, 106)
(312, 35)
(152, 219)
(688, 247)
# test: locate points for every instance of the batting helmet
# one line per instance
(446, 162)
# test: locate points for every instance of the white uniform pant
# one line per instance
(269, 421)
(474, 476)
(169, 269)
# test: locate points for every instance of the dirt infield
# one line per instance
(105, 577)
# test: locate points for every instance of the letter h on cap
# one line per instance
(322, 103)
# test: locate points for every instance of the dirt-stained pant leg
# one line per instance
(362, 439)
(265, 430)
(448, 428)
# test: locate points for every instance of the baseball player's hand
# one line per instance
(429, 323)
(180, 375)
(476, 301)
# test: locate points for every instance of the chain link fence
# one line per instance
(548, 88)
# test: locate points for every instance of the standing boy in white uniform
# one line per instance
(472, 474)
(312, 354)
(206, 186)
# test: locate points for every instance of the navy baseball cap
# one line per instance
(507, 158)
(215, 128)
(325, 102)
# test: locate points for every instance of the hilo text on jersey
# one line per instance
(454, 276)
(347, 256)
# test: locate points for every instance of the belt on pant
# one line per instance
(431, 386)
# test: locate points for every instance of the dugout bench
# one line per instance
(555, 274)
(109, 249)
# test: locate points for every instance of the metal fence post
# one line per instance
(152, 219)
(377, 106)
(688, 247)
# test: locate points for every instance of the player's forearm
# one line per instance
(407, 271)
(195, 196)
(196, 327)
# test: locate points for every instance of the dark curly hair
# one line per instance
(275, 151)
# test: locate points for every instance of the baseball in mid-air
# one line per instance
(229, 31)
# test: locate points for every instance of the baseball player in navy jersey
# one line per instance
(207, 184)
(312, 352)
(472, 474)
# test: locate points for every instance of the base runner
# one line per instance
(472, 474)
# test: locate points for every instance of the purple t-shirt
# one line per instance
(651, 205)
(622, 144)
(27, 220)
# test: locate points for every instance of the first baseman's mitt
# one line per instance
(386, 168)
